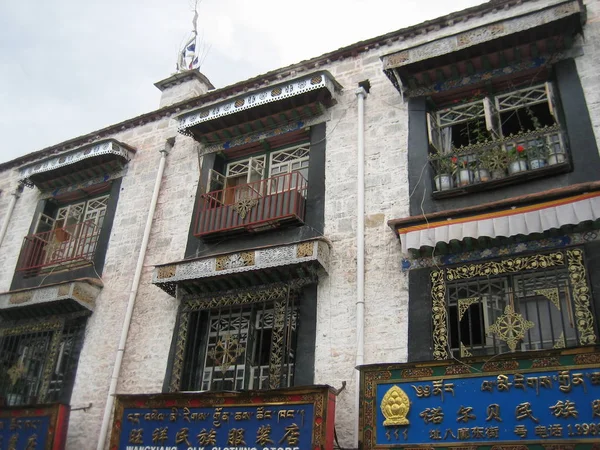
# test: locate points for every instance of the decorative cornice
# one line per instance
(89, 151)
(474, 36)
(253, 99)
(243, 261)
(82, 292)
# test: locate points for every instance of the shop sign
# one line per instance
(36, 427)
(288, 419)
(527, 400)
(538, 406)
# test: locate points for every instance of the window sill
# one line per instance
(508, 180)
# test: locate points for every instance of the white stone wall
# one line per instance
(386, 195)
(154, 315)
(589, 62)
(18, 226)
(182, 91)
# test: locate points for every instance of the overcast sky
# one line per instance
(69, 67)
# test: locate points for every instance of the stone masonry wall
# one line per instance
(154, 315)
(588, 64)
(386, 197)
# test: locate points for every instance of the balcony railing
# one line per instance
(71, 245)
(505, 160)
(254, 206)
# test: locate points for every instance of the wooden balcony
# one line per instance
(252, 207)
(64, 247)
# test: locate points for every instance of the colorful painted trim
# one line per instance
(319, 80)
(494, 252)
(89, 151)
(248, 260)
(503, 213)
(482, 34)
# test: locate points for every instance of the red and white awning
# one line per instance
(523, 220)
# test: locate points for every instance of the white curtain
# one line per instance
(446, 136)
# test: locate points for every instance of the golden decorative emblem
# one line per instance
(551, 294)
(244, 205)
(560, 342)
(226, 351)
(464, 351)
(511, 327)
(395, 406)
(16, 372)
(463, 305)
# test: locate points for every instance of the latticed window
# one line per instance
(67, 236)
(240, 346)
(517, 304)
(492, 117)
(482, 133)
(38, 360)
(293, 159)
(253, 178)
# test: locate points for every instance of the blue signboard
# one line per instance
(533, 406)
(285, 419)
(285, 426)
(29, 433)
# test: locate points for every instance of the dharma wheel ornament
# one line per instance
(395, 406)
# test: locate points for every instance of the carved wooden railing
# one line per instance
(66, 246)
(252, 207)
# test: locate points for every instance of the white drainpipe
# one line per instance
(361, 94)
(11, 207)
(130, 304)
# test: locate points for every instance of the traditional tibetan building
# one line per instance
(391, 245)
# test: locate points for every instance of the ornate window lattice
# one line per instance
(295, 159)
(235, 346)
(522, 97)
(516, 304)
(460, 113)
(238, 168)
(38, 360)
(491, 136)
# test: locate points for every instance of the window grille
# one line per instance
(519, 304)
(241, 347)
(38, 360)
(499, 135)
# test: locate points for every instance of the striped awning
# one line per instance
(523, 220)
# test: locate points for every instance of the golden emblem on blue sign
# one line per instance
(395, 406)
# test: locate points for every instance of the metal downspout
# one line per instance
(110, 400)
(361, 94)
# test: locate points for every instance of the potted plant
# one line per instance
(443, 171)
(556, 151)
(517, 157)
(463, 172)
(495, 161)
(536, 151)
(536, 148)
